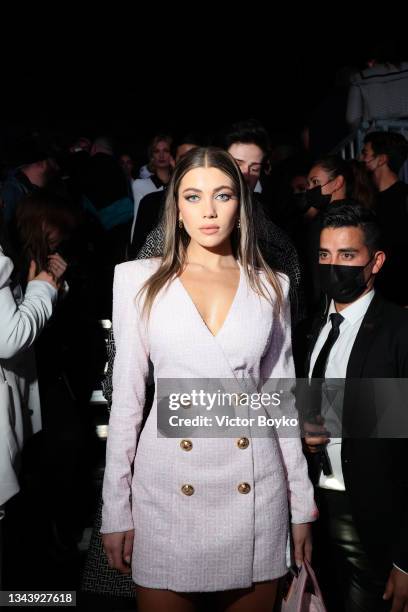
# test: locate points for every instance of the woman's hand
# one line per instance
(118, 548)
(302, 540)
(42, 276)
(56, 266)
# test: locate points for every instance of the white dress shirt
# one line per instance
(337, 368)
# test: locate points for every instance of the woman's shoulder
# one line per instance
(139, 269)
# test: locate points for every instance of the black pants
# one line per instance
(349, 580)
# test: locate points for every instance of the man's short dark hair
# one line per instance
(349, 213)
(249, 131)
(391, 144)
(189, 138)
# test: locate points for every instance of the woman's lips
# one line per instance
(209, 230)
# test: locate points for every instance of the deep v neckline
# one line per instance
(230, 309)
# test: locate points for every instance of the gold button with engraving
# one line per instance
(187, 489)
(244, 488)
(243, 443)
(186, 445)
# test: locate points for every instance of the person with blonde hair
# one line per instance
(160, 167)
(202, 514)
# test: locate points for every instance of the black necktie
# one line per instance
(319, 370)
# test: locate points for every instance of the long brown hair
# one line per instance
(36, 216)
(243, 241)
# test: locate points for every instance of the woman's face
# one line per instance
(319, 176)
(208, 206)
(161, 155)
(127, 164)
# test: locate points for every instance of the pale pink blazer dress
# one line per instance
(222, 536)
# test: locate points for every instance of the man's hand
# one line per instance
(118, 548)
(397, 590)
(316, 435)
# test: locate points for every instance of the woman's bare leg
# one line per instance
(161, 600)
(260, 597)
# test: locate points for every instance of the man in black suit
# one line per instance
(362, 491)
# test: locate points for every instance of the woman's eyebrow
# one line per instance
(223, 187)
(192, 189)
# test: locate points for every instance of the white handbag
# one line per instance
(299, 598)
(8, 445)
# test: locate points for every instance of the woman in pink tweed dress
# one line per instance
(202, 514)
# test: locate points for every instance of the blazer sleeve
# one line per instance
(130, 371)
(21, 323)
(277, 363)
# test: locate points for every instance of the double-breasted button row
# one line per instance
(243, 488)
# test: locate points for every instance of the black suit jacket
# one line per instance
(375, 469)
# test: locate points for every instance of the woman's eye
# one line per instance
(224, 197)
(192, 198)
(348, 255)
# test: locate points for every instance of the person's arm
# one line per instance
(130, 373)
(22, 323)
(277, 363)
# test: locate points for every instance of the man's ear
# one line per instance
(383, 159)
(379, 258)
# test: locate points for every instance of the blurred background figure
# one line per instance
(160, 165)
(32, 166)
(380, 89)
(151, 205)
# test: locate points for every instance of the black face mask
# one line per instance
(315, 197)
(343, 284)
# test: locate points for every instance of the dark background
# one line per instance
(130, 75)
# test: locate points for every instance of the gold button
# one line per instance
(187, 489)
(243, 443)
(186, 445)
(244, 487)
